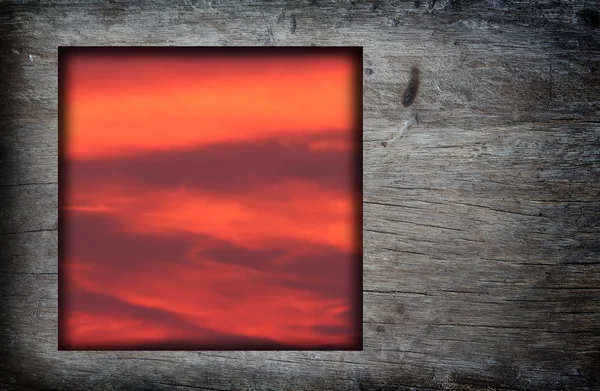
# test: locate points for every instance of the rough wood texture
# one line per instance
(481, 215)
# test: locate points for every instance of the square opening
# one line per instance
(210, 198)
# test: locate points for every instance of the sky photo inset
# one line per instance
(210, 198)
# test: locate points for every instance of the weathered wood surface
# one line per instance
(481, 219)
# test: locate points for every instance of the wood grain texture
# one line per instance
(481, 215)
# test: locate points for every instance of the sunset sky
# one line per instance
(209, 200)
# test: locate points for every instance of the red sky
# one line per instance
(209, 201)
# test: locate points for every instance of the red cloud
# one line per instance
(209, 202)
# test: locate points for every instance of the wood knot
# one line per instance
(412, 88)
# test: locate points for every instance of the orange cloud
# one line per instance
(229, 104)
(201, 297)
(288, 211)
(208, 199)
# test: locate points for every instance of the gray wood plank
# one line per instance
(481, 215)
